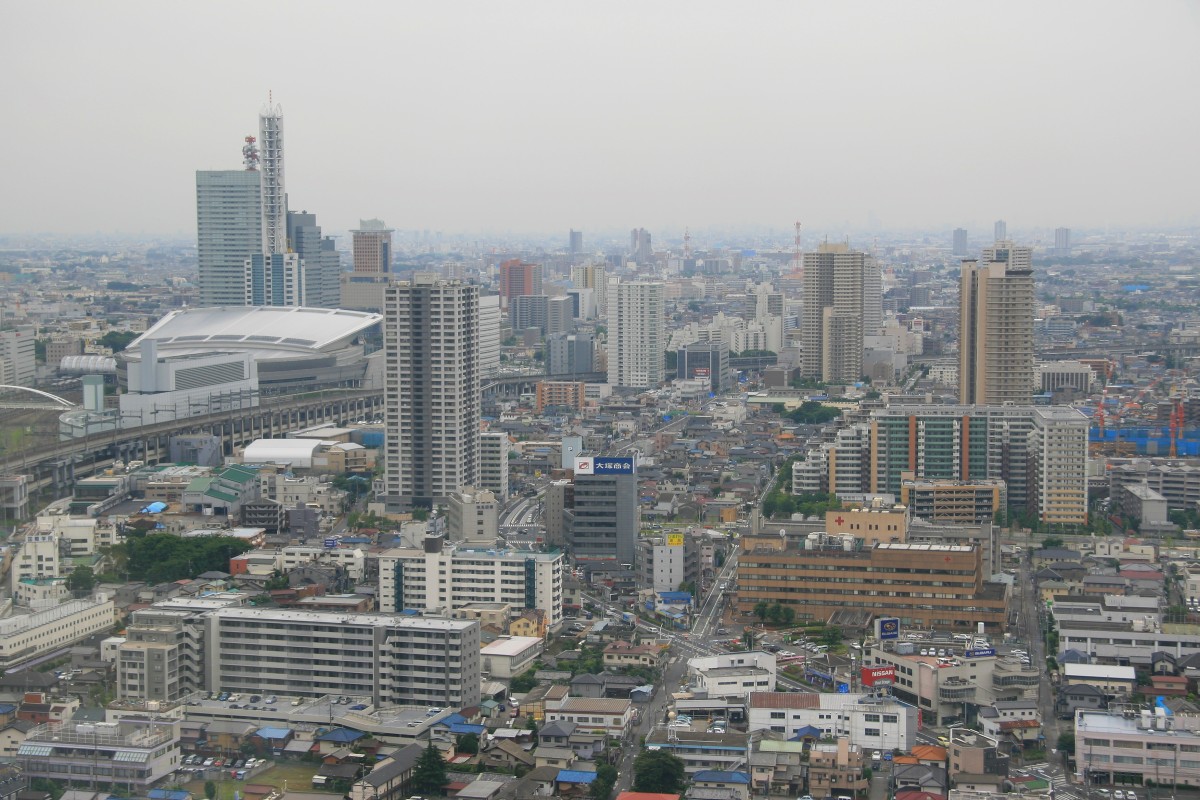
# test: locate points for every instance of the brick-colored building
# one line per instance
(819, 575)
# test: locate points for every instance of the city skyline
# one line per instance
(643, 123)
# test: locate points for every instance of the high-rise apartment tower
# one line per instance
(431, 351)
(372, 246)
(995, 351)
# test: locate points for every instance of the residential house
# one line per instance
(623, 654)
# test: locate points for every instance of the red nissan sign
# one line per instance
(878, 676)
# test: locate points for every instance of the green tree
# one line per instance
(831, 636)
(467, 743)
(429, 775)
(1066, 742)
(775, 613)
(1051, 542)
(81, 580)
(277, 581)
(606, 779)
(524, 682)
(117, 340)
(789, 615)
(761, 609)
(658, 771)
(210, 790)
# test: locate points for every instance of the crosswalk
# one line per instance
(1060, 787)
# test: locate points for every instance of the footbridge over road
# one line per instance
(55, 469)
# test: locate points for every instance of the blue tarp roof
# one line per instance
(342, 735)
(272, 733)
(155, 508)
(168, 794)
(575, 776)
(721, 776)
(462, 729)
(672, 598)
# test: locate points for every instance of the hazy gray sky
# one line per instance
(541, 116)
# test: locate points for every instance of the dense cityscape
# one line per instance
(297, 510)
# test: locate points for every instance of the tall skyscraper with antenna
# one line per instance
(274, 190)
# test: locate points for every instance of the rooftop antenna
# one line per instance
(687, 243)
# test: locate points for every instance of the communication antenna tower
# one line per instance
(250, 153)
(687, 243)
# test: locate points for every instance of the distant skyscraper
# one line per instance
(576, 242)
(431, 347)
(637, 336)
(277, 279)
(1001, 231)
(960, 241)
(995, 351)
(274, 189)
(594, 277)
(570, 353)
(321, 262)
(489, 336)
(518, 278)
(640, 248)
(707, 360)
(372, 246)
(833, 318)
(228, 231)
(1062, 242)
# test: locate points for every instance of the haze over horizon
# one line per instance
(535, 116)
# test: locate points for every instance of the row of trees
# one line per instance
(653, 771)
(164, 557)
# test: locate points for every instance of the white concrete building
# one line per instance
(509, 656)
(27, 636)
(392, 660)
(1111, 747)
(733, 674)
(131, 755)
(871, 723)
(352, 558)
(443, 577)
(637, 335)
(37, 558)
(473, 516)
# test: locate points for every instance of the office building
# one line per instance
(960, 242)
(431, 347)
(640, 248)
(27, 636)
(493, 463)
(820, 575)
(489, 336)
(443, 577)
(517, 279)
(371, 246)
(575, 242)
(637, 336)
(128, 756)
(995, 352)
(834, 316)
(18, 357)
(228, 231)
(602, 523)
(1000, 231)
(1062, 242)
(594, 277)
(708, 361)
(1109, 747)
(322, 265)
(570, 353)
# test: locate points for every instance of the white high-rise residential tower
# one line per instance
(637, 336)
(431, 351)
